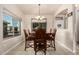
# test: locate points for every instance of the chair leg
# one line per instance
(35, 52)
(54, 46)
(25, 45)
(25, 49)
(51, 43)
(44, 52)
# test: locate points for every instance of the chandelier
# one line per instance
(39, 17)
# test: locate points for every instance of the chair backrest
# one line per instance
(40, 36)
(40, 33)
(26, 35)
(28, 31)
(50, 30)
(54, 32)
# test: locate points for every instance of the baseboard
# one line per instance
(11, 48)
(64, 46)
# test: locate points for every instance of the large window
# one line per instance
(11, 25)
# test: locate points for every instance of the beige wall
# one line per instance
(8, 43)
(77, 23)
(65, 38)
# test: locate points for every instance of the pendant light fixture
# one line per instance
(39, 17)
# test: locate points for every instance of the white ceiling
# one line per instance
(34, 8)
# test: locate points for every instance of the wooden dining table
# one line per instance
(48, 36)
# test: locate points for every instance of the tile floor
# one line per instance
(77, 49)
(19, 50)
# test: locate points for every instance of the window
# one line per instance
(38, 25)
(16, 27)
(11, 25)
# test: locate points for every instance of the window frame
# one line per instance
(7, 12)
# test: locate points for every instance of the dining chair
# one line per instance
(26, 38)
(40, 41)
(29, 40)
(53, 38)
